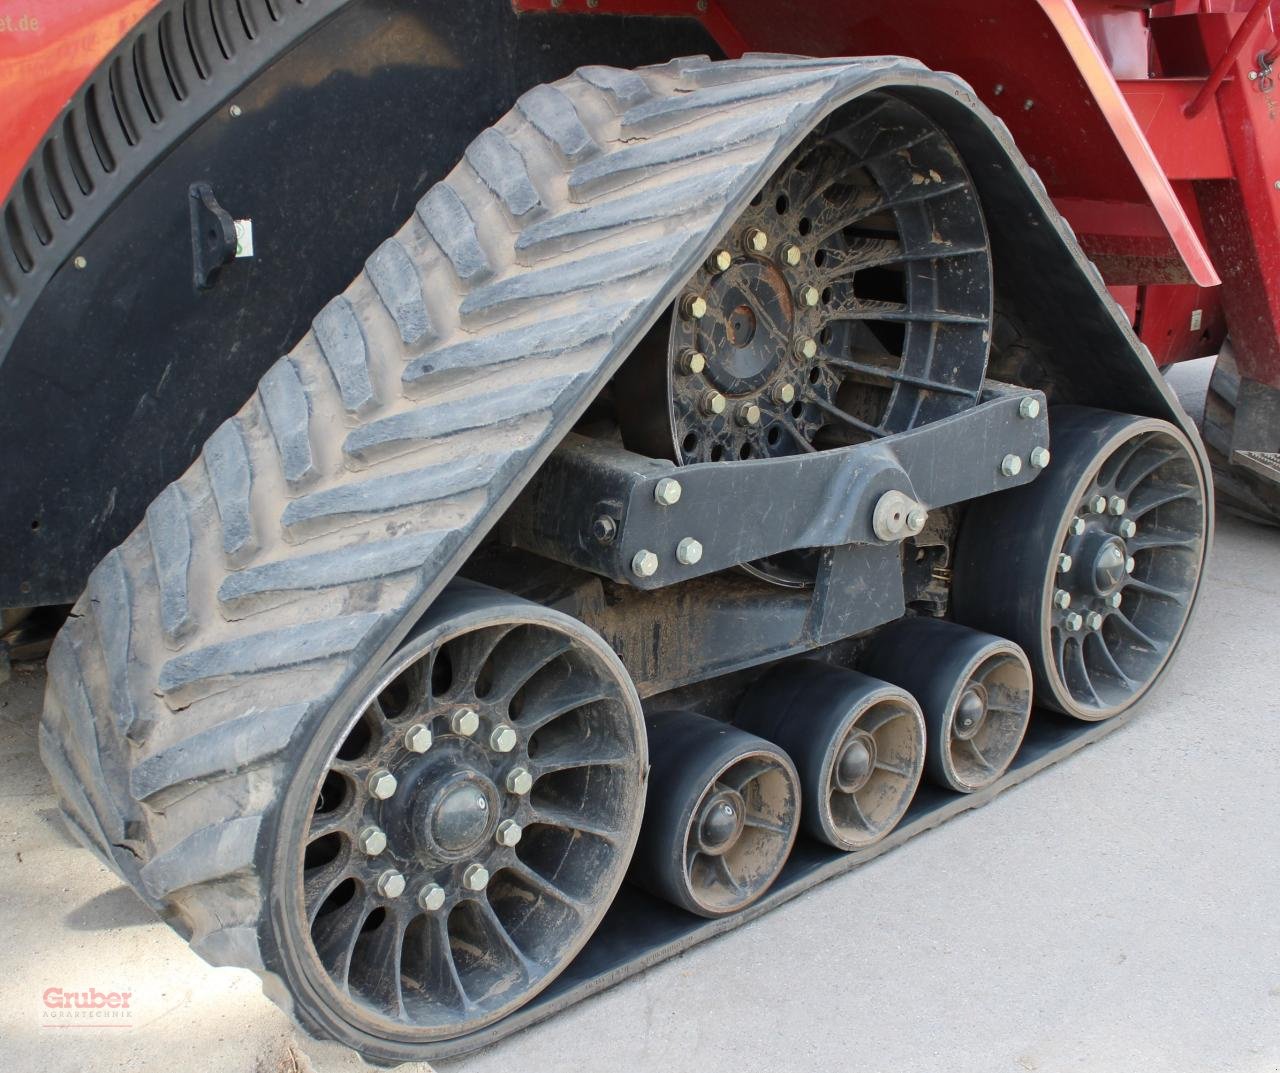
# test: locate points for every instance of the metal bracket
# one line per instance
(667, 525)
(213, 235)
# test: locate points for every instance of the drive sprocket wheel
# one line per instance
(852, 300)
(458, 836)
(1107, 547)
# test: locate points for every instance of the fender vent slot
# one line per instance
(115, 82)
(93, 117)
(13, 231)
(71, 140)
(53, 177)
(167, 46)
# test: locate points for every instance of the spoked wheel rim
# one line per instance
(852, 300)
(1124, 572)
(987, 718)
(874, 767)
(497, 849)
(731, 860)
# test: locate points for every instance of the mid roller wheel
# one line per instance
(857, 743)
(1106, 549)
(457, 837)
(724, 814)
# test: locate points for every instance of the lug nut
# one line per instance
(1011, 465)
(748, 414)
(1129, 564)
(465, 722)
(713, 403)
(689, 551)
(519, 781)
(1062, 599)
(417, 739)
(1077, 527)
(1098, 505)
(1114, 601)
(381, 784)
(391, 884)
(666, 491)
(791, 255)
(693, 306)
(719, 261)
(1128, 528)
(692, 361)
(806, 348)
(1029, 408)
(371, 840)
(784, 394)
(1039, 457)
(916, 518)
(431, 897)
(644, 563)
(754, 240)
(1073, 621)
(476, 877)
(503, 739)
(1116, 505)
(809, 295)
(1093, 620)
(508, 833)
(1064, 563)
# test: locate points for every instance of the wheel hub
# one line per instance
(971, 711)
(458, 814)
(856, 763)
(747, 337)
(721, 822)
(1109, 559)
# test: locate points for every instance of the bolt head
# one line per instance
(692, 361)
(644, 563)
(755, 240)
(519, 781)
(785, 394)
(809, 295)
(1062, 599)
(236, 111)
(791, 255)
(1128, 528)
(503, 739)
(1073, 621)
(465, 722)
(381, 783)
(417, 739)
(1093, 620)
(689, 551)
(748, 414)
(1077, 527)
(475, 877)
(1029, 408)
(806, 348)
(604, 529)
(1114, 601)
(1039, 457)
(1065, 563)
(1116, 505)
(1253, 77)
(1129, 564)
(371, 840)
(916, 519)
(719, 261)
(713, 403)
(431, 897)
(508, 833)
(693, 306)
(81, 262)
(1098, 505)
(391, 884)
(667, 491)
(1011, 465)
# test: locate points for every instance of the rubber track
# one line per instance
(326, 514)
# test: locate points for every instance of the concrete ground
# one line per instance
(1117, 912)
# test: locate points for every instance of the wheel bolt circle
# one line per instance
(719, 261)
(791, 255)
(785, 394)
(1098, 505)
(1114, 600)
(1093, 620)
(1116, 505)
(519, 781)
(508, 833)
(390, 884)
(693, 307)
(809, 295)
(1062, 599)
(1065, 562)
(371, 840)
(418, 738)
(431, 897)
(381, 784)
(806, 348)
(748, 414)
(475, 877)
(692, 361)
(465, 722)
(503, 739)
(1128, 528)
(713, 403)
(1129, 565)
(1073, 621)
(755, 240)
(1077, 527)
